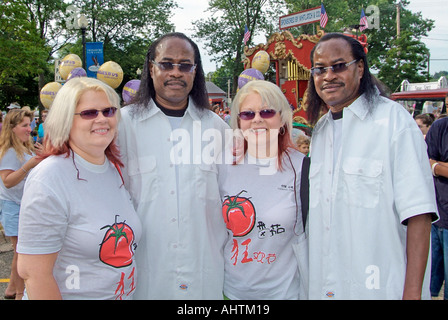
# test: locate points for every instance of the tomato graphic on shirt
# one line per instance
(116, 247)
(239, 214)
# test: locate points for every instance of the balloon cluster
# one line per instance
(260, 64)
(109, 72)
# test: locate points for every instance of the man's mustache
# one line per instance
(331, 84)
(178, 82)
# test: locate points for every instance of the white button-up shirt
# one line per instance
(174, 187)
(360, 198)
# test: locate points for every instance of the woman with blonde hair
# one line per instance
(260, 196)
(78, 229)
(17, 158)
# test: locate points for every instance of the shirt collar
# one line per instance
(359, 108)
(152, 110)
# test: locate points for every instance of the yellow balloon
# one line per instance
(261, 61)
(68, 63)
(48, 93)
(111, 73)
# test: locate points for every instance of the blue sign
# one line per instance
(94, 58)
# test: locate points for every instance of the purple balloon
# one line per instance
(77, 72)
(249, 75)
(130, 89)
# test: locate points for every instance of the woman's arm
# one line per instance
(37, 271)
(12, 178)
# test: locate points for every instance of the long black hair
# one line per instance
(147, 92)
(368, 85)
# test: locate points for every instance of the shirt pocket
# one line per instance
(206, 181)
(315, 184)
(144, 180)
(362, 180)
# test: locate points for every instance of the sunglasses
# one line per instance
(249, 115)
(93, 113)
(336, 68)
(168, 66)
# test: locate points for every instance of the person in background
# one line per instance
(40, 130)
(437, 141)
(17, 159)
(303, 144)
(424, 122)
(372, 197)
(173, 184)
(78, 230)
(260, 200)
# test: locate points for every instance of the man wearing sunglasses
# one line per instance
(371, 192)
(174, 191)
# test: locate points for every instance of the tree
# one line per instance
(383, 40)
(223, 31)
(23, 52)
(406, 60)
(125, 27)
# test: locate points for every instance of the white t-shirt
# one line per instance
(83, 212)
(10, 161)
(262, 211)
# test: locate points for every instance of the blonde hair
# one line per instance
(8, 138)
(59, 121)
(303, 139)
(271, 96)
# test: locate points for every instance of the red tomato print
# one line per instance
(239, 214)
(116, 247)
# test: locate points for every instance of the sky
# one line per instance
(436, 41)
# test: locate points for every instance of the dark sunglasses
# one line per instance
(336, 68)
(93, 113)
(249, 115)
(168, 66)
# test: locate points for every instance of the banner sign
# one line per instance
(300, 18)
(94, 58)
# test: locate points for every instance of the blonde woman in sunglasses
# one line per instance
(260, 200)
(77, 225)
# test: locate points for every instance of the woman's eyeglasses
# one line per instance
(168, 66)
(336, 68)
(93, 113)
(249, 115)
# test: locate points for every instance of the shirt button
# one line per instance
(172, 192)
(173, 220)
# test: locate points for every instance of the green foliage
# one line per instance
(35, 32)
(223, 30)
(384, 47)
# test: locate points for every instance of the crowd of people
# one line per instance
(142, 202)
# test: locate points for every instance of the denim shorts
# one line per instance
(10, 217)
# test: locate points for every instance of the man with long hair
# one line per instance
(173, 186)
(371, 190)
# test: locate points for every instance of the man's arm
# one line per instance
(417, 250)
(441, 169)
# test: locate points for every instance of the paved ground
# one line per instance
(5, 262)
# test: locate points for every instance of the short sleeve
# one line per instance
(43, 220)
(412, 178)
(10, 161)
